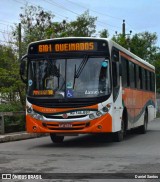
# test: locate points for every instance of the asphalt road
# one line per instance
(138, 153)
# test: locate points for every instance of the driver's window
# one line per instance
(115, 72)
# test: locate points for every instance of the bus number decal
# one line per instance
(45, 48)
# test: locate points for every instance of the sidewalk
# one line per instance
(8, 137)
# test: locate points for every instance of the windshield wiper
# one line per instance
(77, 72)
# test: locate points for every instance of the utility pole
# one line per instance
(124, 34)
(20, 40)
(123, 28)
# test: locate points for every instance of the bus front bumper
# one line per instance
(102, 124)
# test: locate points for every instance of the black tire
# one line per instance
(119, 135)
(143, 129)
(56, 139)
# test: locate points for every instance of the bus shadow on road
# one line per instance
(86, 140)
(97, 140)
(93, 140)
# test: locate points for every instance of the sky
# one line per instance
(139, 15)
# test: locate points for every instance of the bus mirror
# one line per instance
(23, 69)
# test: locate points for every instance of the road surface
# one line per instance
(138, 153)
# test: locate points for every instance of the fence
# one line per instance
(2, 119)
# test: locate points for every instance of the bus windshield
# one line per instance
(86, 77)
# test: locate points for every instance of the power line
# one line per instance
(63, 7)
(2, 31)
(57, 16)
(9, 42)
(103, 14)
(6, 22)
(56, 12)
(102, 24)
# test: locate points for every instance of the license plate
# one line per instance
(65, 125)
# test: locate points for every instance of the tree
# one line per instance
(121, 40)
(157, 66)
(142, 44)
(11, 89)
(83, 26)
(104, 33)
(36, 25)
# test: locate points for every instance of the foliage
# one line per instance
(13, 123)
(142, 44)
(11, 88)
(84, 26)
(104, 33)
(157, 66)
(11, 107)
(121, 40)
(36, 24)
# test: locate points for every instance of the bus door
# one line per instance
(117, 90)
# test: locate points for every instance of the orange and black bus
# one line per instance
(86, 85)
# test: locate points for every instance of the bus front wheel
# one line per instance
(119, 135)
(56, 139)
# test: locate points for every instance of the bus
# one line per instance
(80, 85)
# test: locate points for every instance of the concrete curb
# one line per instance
(20, 136)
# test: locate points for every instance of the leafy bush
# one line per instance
(13, 123)
(11, 107)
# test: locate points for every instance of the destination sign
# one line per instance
(43, 92)
(67, 47)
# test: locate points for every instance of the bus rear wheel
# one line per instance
(119, 135)
(56, 139)
(143, 129)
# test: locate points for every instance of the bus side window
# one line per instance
(138, 80)
(115, 72)
(125, 78)
(140, 77)
(152, 75)
(131, 75)
(143, 79)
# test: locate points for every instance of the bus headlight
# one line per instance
(105, 109)
(91, 116)
(29, 110)
(98, 113)
(37, 116)
(33, 114)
